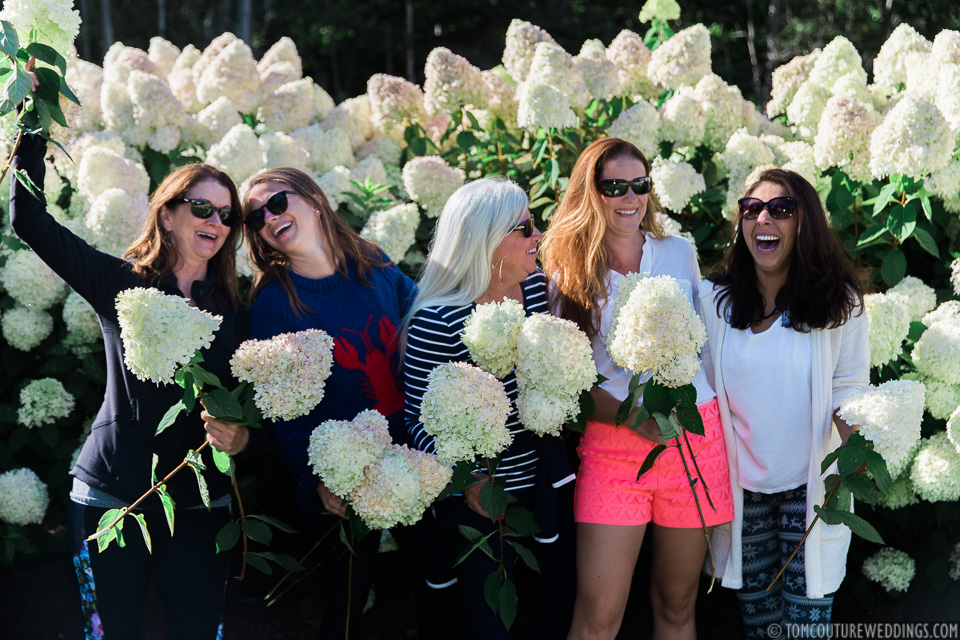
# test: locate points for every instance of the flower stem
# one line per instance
(9, 162)
(703, 522)
(243, 517)
(802, 540)
(303, 559)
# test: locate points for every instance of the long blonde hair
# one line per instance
(573, 254)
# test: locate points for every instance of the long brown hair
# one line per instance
(343, 241)
(153, 256)
(573, 254)
(822, 290)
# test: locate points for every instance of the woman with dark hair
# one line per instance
(606, 227)
(789, 341)
(187, 248)
(317, 273)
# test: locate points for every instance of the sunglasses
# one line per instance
(204, 210)
(275, 204)
(780, 208)
(615, 188)
(526, 227)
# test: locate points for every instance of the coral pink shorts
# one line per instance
(608, 491)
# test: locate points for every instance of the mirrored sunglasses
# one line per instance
(275, 204)
(780, 208)
(614, 188)
(204, 210)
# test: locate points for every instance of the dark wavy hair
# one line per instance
(823, 289)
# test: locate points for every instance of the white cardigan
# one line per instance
(841, 366)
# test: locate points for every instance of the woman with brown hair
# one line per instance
(187, 248)
(789, 341)
(606, 227)
(317, 273)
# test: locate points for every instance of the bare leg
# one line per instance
(674, 580)
(606, 557)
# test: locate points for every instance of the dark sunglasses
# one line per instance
(780, 208)
(275, 204)
(615, 188)
(204, 210)
(526, 227)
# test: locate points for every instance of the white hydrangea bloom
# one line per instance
(160, 332)
(935, 473)
(115, 218)
(80, 318)
(55, 22)
(325, 149)
(675, 183)
(654, 328)
(632, 58)
(599, 73)
(393, 229)
(280, 150)
(673, 228)
(29, 281)
(889, 322)
(390, 492)
(465, 410)
(890, 65)
(945, 184)
(212, 50)
(43, 402)
(181, 79)
(24, 328)
(548, 395)
(546, 106)
(900, 494)
(102, 168)
(335, 184)
(640, 125)
(853, 85)
(913, 140)
(354, 115)
(941, 398)
(502, 101)
(953, 429)
(372, 168)
(117, 110)
(283, 50)
(217, 119)
(659, 10)
(289, 107)
(430, 181)
(23, 497)
(340, 450)
(231, 73)
(843, 137)
(922, 75)
(279, 74)
(156, 110)
(937, 353)
(743, 153)
(238, 153)
(553, 66)
(682, 60)
(721, 109)
(947, 96)
(395, 103)
(384, 147)
(787, 80)
(128, 59)
(918, 297)
(323, 104)
(839, 58)
(893, 569)
(451, 83)
(682, 119)
(491, 333)
(889, 416)
(807, 107)
(86, 80)
(948, 311)
(946, 47)
(163, 54)
(521, 45)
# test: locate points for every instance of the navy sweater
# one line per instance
(117, 456)
(364, 321)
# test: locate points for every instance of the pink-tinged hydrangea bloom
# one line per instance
(384, 147)
(655, 329)
(28, 280)
(283, 50)
(936, 469)
(682, 119)
(353, 115)
(913, 140)
(434, 474)
(598, 71)
(279, 74)
(640, 125)
(181, 79)
(163, 54)
(43, 402)
(392, 491)
(24, 328)
(231, 73)
(521, 44)
(23, 497)
(890, 65)
(103, 168)
(395, 103)
(632, 58)
(553, 66)
(53, 22)
(548, 395)
(393, 229)
(502, 101)
(465, 410)
(212, 50)
(893, 569)
(161, 332)
(491, 333)
(340, 450)
(325, 149)
(238, 153)
(721, 110)
(917, 297)
(451, 82)
(889, 416)
(682, 60)
(889, 322)
(430, 181)
(787, 79)
(843, 138)
(127, 60)
(675, 183)
(289, 107)
(287, 371)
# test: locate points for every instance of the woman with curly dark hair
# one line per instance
(789, 341)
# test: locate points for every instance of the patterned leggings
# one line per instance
(773, 524)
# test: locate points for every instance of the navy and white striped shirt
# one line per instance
(433, 338)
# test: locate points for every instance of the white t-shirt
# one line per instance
(767, 377)
(671, 256)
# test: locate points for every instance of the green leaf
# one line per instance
(9, 41)
(829, 459)
(871, 234)
(857, 524)
(346, 541)
(170, 417)
(894, 267)
(657, 398)
(46, 53)
(691, 419)
(508, 603)
(668, 428)
(103, 535)
(65, 90)
(273, 522)
(493, 499)
(525, 554)
(142, 521)
(466, 140)
(258, 562)
(252, 415)
(168, 506)
(48, 435)
(286, 561)
(206, 377)
(476, 543)
(201, 481)
(902, 221)
(862, 488)
(223, 406)
(587, 407)
(48, 87)
(521, 520)
(189, 394)
(642, 416)
(849, 461)
(926, 241)
(634, 391)
(877, 467)
(223, 461)
(684, 396)
(462, 477)
(153, 468)
(925, 203)
(651, 458)
(491, 590)
(257, 531)
(228, 536)
(15, 90)
(885, 197)
(552, 172)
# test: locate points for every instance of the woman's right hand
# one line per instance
(605, 411)
(332, 503)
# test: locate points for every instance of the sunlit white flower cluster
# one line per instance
(889, 416)
(936, 469)
(953, 429)
(599, 73)
(546, 106)
(237, 153)
(29, 281)
(631, 57)
(80, 318)
(54, 22)
(394, 229)
(918, 297)
(521, 45)
(893, 569)
(786, 80)
(640, 125)
(160, 332)
(900, 494)
(430, 181)
(340, 450)
(23, 497)
(491, 333)
(395, 102)
(43, 402)
(451, 83)
(682, 119)
(115, 218)
(675, 183)
(25, 328)
(913, 140)
(682, 60)
(937, 353)
(889, 322)
(843, 137)
(287, 371)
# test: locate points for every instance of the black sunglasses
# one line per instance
(275, 204)
(615, 188)
(526, 227)
(204, 210)
(780, 208)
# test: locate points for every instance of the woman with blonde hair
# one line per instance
(606, 227)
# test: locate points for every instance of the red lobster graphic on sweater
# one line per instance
(377, 375)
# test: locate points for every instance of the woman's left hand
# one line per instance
(229, 438)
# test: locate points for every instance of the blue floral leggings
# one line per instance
(773, 524)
